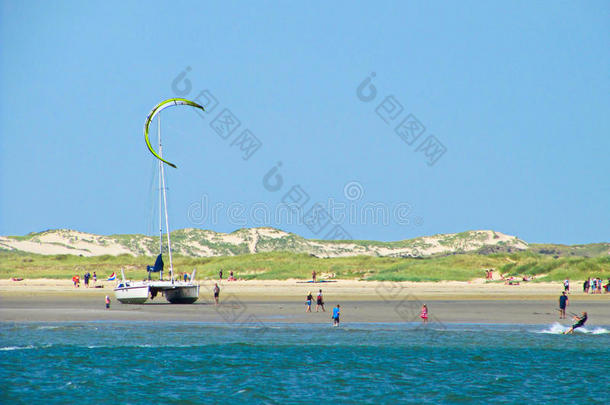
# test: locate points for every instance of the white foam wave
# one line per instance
(9, 348)
(596, 331)
(145, 346)
(557, 329)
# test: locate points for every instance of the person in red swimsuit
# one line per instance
(424, 313)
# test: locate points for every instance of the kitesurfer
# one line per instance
(580, 321)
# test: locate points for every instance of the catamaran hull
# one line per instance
(132, 295)
(139, 292)
(182, 294)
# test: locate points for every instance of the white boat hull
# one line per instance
(132, 294)
(138, 292)
(182, 294)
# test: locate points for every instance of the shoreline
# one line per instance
(262, 290)
(262, 302)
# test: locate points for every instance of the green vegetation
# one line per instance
(590, 250)
(284, 265)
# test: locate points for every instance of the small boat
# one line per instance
(138, 292)
(175, 291)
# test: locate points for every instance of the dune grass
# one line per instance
(284, 265)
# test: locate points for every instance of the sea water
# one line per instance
(177, 362)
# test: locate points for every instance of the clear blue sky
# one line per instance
(517, 93)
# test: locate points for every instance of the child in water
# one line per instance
(424, 313)
(335, 316)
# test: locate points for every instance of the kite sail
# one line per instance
(158, 108)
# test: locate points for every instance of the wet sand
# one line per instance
(262, 302)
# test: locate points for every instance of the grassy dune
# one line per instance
(283, 265)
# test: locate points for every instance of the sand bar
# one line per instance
(283, 301)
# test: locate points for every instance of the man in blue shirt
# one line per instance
(336, 315)
(563, 303)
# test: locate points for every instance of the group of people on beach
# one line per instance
(86, 277)
(595, 286)
(309, 299)
(336, 311)
(231, 277)
(319, 302)
(320, 305)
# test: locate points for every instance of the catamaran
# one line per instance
(174, 290)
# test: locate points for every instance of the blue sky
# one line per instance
(515, 94)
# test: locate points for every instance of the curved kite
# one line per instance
(158, 108)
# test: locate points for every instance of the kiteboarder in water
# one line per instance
(580, 322)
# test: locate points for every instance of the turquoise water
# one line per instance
(148, 363)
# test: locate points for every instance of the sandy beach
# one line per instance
(283, 301)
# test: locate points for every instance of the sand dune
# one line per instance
(198, 242)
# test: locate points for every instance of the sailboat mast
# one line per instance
(169, 243)
(160, 192)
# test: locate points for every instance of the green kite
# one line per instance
(158, 108)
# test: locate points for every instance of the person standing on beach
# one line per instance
(220, 275)
(585, 285)
(94, 278)
(308, 300)
(313, 276)
(107, 300)
(87, 276)
(566, 285)
(320, 301)
(216, 292)
(424, 314)
(336, 313)
(563, 303)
